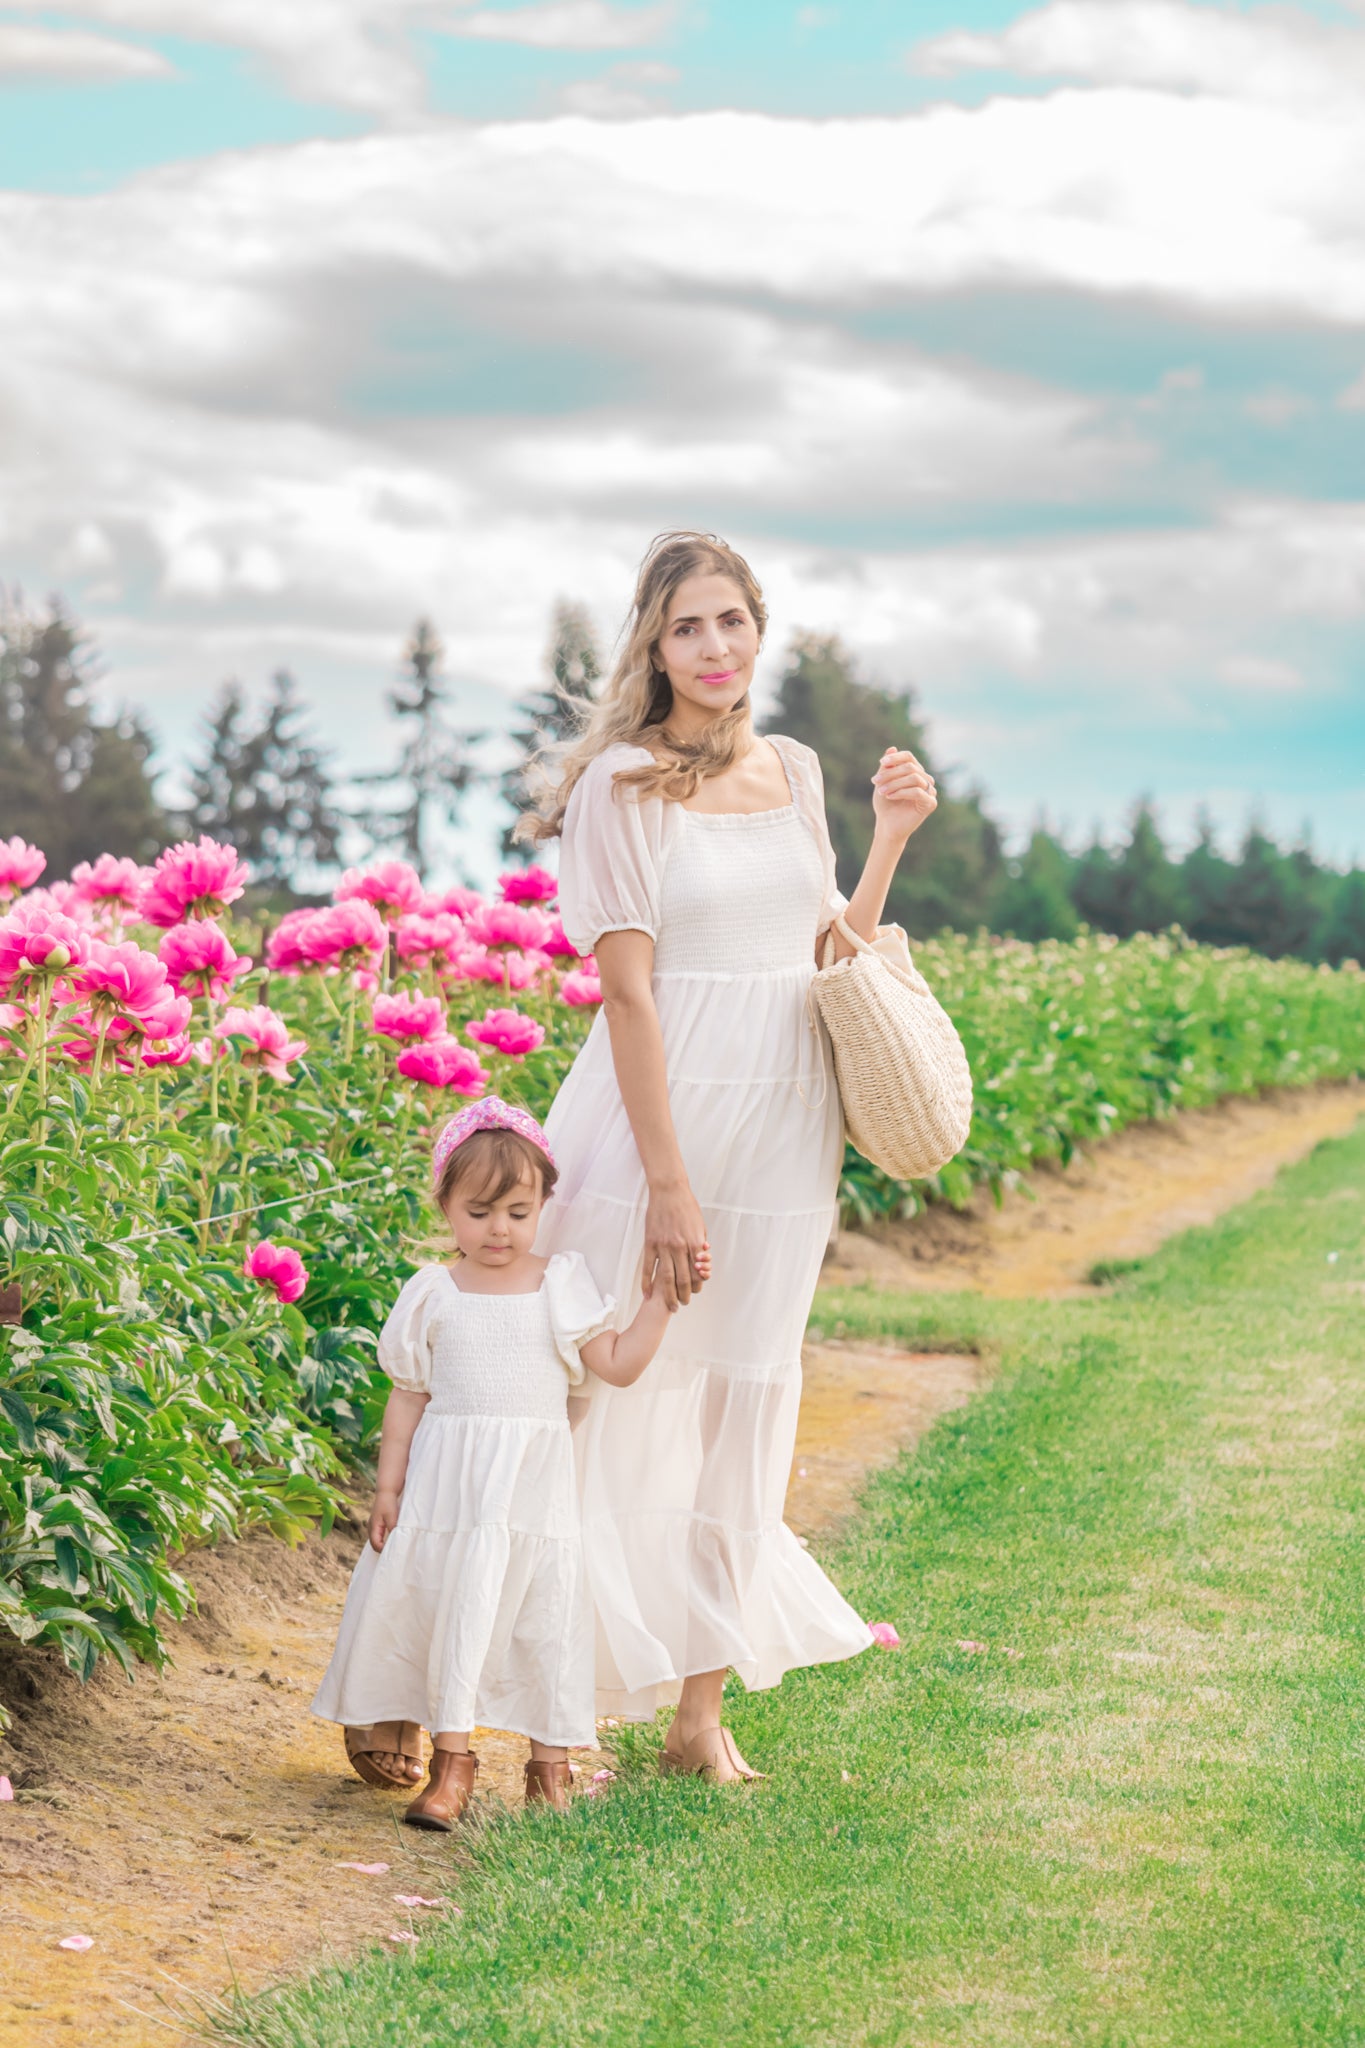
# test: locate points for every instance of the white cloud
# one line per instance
(74, 54)
(623, 93)
(1273, 54)
(568, 25)
(1260, 672)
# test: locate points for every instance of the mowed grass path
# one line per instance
(1144, 1828)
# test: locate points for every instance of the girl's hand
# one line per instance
(383, 1516)
(903, 794)
(675, 1241)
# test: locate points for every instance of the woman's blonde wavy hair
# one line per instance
(637, 697)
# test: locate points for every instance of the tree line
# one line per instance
(79, 783)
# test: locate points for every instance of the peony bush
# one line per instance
(213, 1142)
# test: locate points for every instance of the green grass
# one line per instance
(1145, 1829)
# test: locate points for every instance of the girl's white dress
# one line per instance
(474, 1614)
(683, 1476)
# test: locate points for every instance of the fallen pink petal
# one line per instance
(884, 1633)
(403, 1934)
(973, 1649)
(6, 1790)
(365, 1869)
(77, 1941)
(413, 1899)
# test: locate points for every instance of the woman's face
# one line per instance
(707, 649)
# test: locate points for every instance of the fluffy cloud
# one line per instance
(1275, 54)
(568, 25)
(74, 55)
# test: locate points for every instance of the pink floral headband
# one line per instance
(489, 1114)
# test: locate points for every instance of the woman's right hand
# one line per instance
(675, 1236)
(383, 1516)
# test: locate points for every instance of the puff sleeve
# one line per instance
(578, 1313)
(612, 852)
(405, 1340)
(808, 789)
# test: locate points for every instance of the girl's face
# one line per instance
(495, 1233)
(707, 649)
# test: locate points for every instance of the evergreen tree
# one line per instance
(952, 868)
(1034, 900)
(433, 769)
(261, 785)
(1266, 905)
(557, 712)
(1207, 876)
(1341, 936)
(1148, 894)
(73, 784)
(1094, 890)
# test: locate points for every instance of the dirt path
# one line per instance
(195, 1823)
(1119, 1201)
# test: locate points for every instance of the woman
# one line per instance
(696, 864)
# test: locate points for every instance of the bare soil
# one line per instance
(196, 1823)
(1116, 1201)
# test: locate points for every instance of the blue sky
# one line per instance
(1025, 348)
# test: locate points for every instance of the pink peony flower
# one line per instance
(528, 885)
(277, 1266)
(580, 990)
(505, 925)
(284, 952)
(198, 880)
(459, 902)
(110, 884)
(20, 866)
(391, 886)
(267, 1041)
(556, 941)
(508, 1032)
(166, 1052)
(349, 934)
(200, 960)
(884, 1632)
(405, 1017)
(435, 937)
(36, 945)
(506, 970)
(125, 981)
(444, 1063)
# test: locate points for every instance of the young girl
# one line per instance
(468, 1606)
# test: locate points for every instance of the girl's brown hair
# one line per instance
(637, 697)
(494, 1161)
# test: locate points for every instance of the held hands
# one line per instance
(383, 1516)
(677, 1261)
(903, 794)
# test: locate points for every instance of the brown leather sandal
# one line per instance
(447, 1792)
(548, 1783)
(702, 1756)
(364, 1747)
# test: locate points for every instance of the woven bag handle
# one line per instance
(860, 945)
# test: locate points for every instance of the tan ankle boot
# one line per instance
(447, 1792)
(548, 1783)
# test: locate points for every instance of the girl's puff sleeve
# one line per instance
(578, 1313)
(612, 852)
(808, 788)
(405, 1340)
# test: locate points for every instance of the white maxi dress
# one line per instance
(475, 1612)
(683, 1476)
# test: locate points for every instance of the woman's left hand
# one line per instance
(903, 794)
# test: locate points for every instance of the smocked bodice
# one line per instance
(494, 1354)
(740, 893)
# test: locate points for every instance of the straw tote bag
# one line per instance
(900, 1065)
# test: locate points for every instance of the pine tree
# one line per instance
(71, 783)
(1148, 894)
(1034, 900)
(556, 713)
(261, 785)
(951, 869)
(1207, 876)
(1342, 933)
(433, 769)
